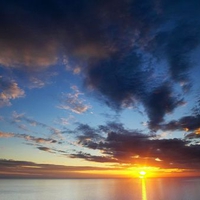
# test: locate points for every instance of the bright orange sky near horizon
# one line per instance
(17, 169)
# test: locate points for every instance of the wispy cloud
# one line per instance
(18, 118)
(66, 121)
(40, 80)
(36, 83)
(29, 138)
(9, 91)
(73, 102)
(6, 135)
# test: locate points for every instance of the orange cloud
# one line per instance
(10, 90)
(31, 55)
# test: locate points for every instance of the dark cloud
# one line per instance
(183, 39)
(175, 45)
(160, 102)
(90, 137)
(133, 147)
(89, 157)
(24, 169)
(122, 79)
(139, 149)
(117, 44)
(186, 123)
(119, 78)
(49, 30)
(193, 136)
(15, 163)
(44, 149)
(86, 133)
(196, 109)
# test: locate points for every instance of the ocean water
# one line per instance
(100, 189)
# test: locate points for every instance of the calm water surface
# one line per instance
(100, 189)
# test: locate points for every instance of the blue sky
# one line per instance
(100, 84)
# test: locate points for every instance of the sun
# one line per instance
(142, 173)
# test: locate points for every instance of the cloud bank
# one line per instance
(135, 148)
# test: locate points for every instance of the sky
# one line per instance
(99, 88)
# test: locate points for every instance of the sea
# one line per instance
(101, 189)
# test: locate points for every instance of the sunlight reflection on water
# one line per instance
(144, 194)
(101, 189)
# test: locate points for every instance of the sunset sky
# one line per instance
(97, 88)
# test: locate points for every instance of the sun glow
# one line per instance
(142, 173)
